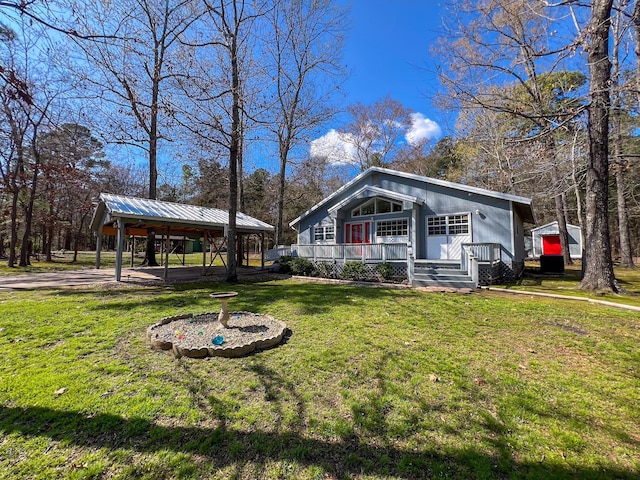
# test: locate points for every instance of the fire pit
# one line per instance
(223, 334)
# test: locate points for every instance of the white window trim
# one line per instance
(375, 212)
(394, 237)
(324, 239)
(447, 215)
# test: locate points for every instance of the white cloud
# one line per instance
(421, 128)
(334, 146)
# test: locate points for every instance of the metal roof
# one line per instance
(522, 203)
(156, 212)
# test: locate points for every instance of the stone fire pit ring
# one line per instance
(202, 336)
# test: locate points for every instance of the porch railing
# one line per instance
(275, 253)
(472, 254)
(366, 252)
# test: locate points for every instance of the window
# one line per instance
(448, 225)
(437, 225)
(323, 233)
(458, 224)
(376, 206)
(392, 228)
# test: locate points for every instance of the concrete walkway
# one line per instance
(141, 275)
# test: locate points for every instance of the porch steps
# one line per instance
(441, 273)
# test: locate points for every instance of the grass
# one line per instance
(569, 284)
(373, 383)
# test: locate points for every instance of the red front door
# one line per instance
(551, 245)
(358, 232)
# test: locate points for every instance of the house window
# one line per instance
(458, 224)
(448, 225)
(392, 228)
(323, 233)
(376, 206)
(437, 225)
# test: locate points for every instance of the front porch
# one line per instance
(480, 263)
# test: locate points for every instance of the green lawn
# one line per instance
(372, 383)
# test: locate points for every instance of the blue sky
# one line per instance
(387, 51)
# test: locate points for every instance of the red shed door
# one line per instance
(551, 245)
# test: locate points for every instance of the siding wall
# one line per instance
(491, 225)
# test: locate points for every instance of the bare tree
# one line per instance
(303, 47)
(375, 130)
(507, 42)
(619, 161)
(130, 76)
(27, 100)
(218, 91)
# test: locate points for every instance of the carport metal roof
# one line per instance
(146, 213)
(121, 215)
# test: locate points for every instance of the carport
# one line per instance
(130, 216)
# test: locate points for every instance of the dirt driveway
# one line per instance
(146, 275)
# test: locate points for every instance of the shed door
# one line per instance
(551, 245)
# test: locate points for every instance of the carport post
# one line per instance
(262, 250)
(119, 248)
(204, 251)
(166, 254)
(133, 247)
(98, 247)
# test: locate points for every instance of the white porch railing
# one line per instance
(475, 253)
(366, 252)
(275, 253)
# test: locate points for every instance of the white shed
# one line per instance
(546, 240)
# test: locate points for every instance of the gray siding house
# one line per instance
(431, 231)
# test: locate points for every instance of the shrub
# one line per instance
(384, 270)
(301, 266)
(285, 263)
(355, 271)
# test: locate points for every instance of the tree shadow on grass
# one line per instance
(226, 447)
(305, 298)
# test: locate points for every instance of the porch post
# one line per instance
(262, 250)
(414, 231)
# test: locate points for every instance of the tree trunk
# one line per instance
(234, 150)
(150, 250)
(598, 265)
(13, 241)
(281, 192)
(25, 248)
(559, 202)
(636, 40)
(626, 252)
(618, 163)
